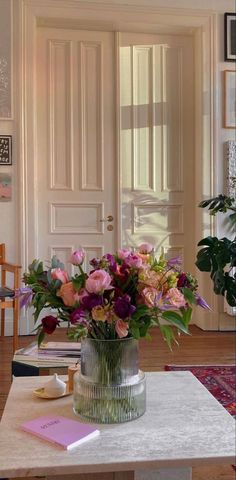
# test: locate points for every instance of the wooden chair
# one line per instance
(8, 293)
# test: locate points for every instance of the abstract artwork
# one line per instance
(5, 150)
(5, 187)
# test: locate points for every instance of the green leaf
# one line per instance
(176, 319)
(134, 330)
(208, 241)
(168, 335)
(140, 311)
(219, 282)
(41, 337)
(189, 295)
(187, 315)
(203, 262)
(78, 282)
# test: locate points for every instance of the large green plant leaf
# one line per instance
(218, 256)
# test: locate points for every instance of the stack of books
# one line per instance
(55, 354)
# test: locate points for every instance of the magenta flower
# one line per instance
(98, 281)
(111, 261)
(78, 316)
(77, 257)
(123, 308)
(182, 281)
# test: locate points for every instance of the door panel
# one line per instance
(157, 142)
(75, 142)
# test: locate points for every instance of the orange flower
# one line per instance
(67, 293)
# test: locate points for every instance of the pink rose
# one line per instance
(134, 261)
(77, 257)
(121, 328)
(68, 294)
(58, 274)
(175, 298)
(123, 253)
(145, 248)
(152, 297)
(98, 281)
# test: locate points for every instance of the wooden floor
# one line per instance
(200, 348)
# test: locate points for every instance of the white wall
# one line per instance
(9, 225)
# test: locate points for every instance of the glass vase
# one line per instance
(110, 387)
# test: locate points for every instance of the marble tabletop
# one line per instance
(183, 426)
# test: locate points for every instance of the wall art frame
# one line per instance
(229, 99)
(5, 150)
(230, 37)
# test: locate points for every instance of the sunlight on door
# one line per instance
(157, 147)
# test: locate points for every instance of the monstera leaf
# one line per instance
(218, 256)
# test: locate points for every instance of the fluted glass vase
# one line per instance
(110, 387)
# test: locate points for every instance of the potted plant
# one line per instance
(218, 255)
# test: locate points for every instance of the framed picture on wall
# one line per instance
(230, 37)
(230, 99)
(5, 150)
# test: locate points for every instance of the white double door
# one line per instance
(114, 156)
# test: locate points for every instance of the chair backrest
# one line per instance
(2, 253)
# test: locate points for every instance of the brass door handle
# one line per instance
(108, 219)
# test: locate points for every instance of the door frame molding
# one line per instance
(28, 14)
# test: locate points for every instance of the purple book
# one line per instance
(61, 430)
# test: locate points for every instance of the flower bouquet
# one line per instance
(124, 295)
(110, 309)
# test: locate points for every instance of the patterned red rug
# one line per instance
(220, 381)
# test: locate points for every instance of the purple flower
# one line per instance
(111, 261)
(25, 294)
(78, 316)
(134, 261)
(95, 263)
(201, 302)
(173, 262)
(77, 257)
(123, 308)
(91, 301)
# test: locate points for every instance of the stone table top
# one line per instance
(183, 426)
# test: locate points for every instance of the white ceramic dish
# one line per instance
(40, 393)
